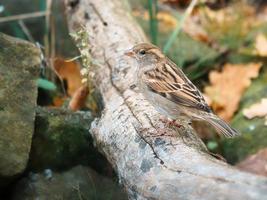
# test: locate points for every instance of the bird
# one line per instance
(170, 91)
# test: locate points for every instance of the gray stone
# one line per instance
(77, 183)
(19, 66)
(61, 139)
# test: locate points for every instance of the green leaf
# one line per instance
(153, 21)
(212, 145)
(45, 84)
(179, 27)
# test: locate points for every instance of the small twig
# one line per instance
(53, 38)
(47, 29)
(73, 59)
(23, 16)
(26, 31)
(179, 27)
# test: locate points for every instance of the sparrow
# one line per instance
(168, 89)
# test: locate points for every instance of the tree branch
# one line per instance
(150, 164)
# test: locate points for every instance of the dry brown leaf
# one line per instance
(70, 72)
(184, 2)
(238, 19)
(58, 101)
(167, 22)
(262, 13)
(79, 98)
(176, 2)
(257, 110)
(228, 86)
(194, 29)
(230, 13)
(261, 45)
(256, 163)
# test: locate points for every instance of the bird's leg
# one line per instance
(161, 133)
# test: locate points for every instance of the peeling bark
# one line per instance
(150, 165)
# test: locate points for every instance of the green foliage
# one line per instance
(212, 145)
(179, 27)
(153, 10)
(45, 84)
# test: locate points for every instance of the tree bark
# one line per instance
(151, 160)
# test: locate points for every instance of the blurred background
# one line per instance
(220, 44)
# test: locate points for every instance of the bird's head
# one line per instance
(145, 54)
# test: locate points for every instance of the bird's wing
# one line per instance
(167, 80)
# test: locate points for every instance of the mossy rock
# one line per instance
(19, 71)
(61, 139)
(254, 132)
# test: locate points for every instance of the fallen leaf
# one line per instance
(69, 72)
(79, 98)
(257, 110)
(262, 13)
(166, 21)
(58, 101)
(256, 163)
(228, 86)
(184, 2)
(234, 21)
(176, 2)
(231, 14)
(261, 45)
(194, 29)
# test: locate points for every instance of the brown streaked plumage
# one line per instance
(170, 91)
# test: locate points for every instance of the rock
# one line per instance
(19, 67)
(61, 139)
(256, 163)
(77, 183)
(254, 132)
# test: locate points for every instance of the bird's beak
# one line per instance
(129, 53)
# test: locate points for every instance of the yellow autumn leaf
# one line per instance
(237, 19)
(228, 86)
(166, 21)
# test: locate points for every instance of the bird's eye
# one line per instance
(142, 52)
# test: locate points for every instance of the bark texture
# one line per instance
(150, 165)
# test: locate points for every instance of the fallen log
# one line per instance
(150, 165)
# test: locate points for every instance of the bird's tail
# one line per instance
(221, 126)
